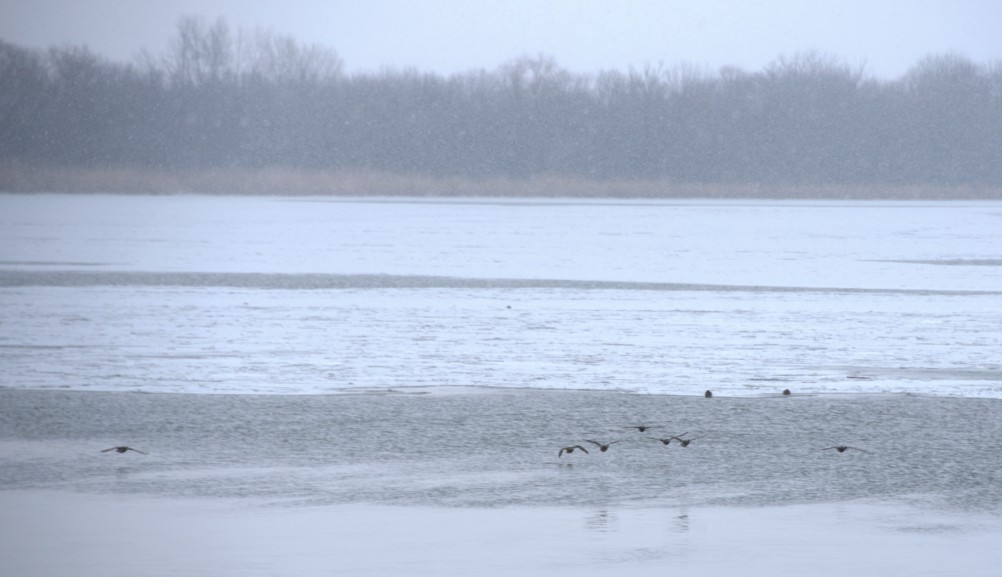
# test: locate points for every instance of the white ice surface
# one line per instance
(48, 534)
(822, 297)
(856, 244)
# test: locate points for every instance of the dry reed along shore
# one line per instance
(16, 178)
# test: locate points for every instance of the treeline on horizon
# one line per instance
(219, 99)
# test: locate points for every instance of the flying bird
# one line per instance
(642, 428)
(603, 447)
(671, 438)
(570, 450)
(685, 442)
(122, 449)
(843, 448)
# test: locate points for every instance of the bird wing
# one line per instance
(136, 450)
(580, 447)
(109, 449)
(596, 443)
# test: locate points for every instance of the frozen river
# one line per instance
(286, 295)
(420, 363)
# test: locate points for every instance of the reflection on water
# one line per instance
(601, 520)
(933, 528)
(682, 522)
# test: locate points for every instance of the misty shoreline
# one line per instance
(276, 181)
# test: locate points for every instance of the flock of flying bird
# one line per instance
(603, 447)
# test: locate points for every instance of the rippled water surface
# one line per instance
(491, 449)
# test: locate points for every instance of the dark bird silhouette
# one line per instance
(642, 428)
(786, 392)
(685, 442)
(708, 394)
(603, 447)
(670, 439)
(843, 448)
(570, 450)
(122, 449)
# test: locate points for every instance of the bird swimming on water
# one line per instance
(122, 449)
(708, 393)
(603, 447)
(570, 450)
(786, 392)
(843, 448)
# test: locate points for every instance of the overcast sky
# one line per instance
(447, 36)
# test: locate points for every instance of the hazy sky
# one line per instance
(447, 36)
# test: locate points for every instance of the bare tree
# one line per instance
(201, 53)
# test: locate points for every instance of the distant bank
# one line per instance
(302, 182)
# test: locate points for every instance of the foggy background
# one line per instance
(214, 95)
(584, 36)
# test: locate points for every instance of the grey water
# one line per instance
(499, 448)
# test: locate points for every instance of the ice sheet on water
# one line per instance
(240, 340)
(303, 281)
(238, 295)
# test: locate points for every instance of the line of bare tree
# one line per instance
(224, 99)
